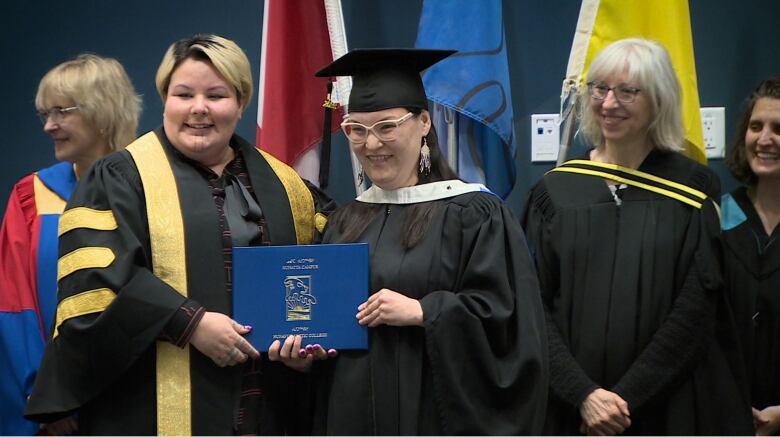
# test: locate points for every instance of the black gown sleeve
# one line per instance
(675, 348)
(486, 339)
(182, 324)
(95, 348)
(568, 381)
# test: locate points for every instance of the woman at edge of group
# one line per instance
(456, 335)
(625, 244)
(143, 341)
(89, 108)
(749, 218)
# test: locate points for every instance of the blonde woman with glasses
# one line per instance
(89, 107)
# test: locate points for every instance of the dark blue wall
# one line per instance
(736, 45)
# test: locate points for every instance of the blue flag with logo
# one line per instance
(470, 89)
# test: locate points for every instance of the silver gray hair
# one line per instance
(648, 66)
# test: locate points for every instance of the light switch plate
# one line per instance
(545, 137)
(713, 128)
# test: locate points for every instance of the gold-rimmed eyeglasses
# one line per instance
(623, 93)
(56, 113)
(384, 130)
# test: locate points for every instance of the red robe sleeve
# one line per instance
(21, 335)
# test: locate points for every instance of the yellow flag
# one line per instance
(602, 22)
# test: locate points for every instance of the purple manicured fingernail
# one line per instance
(249, 327)
(332, 352)
(317, 346)
(302, 353)
(309, 348)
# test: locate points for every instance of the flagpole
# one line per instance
(451, 118)
(574, 72)
(343, 86)
(338, 47)
(568, 111)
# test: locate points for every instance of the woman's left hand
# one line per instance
(294, 356)
(388, 307)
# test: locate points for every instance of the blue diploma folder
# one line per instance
(312, 291)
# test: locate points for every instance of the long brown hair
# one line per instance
(352, 220)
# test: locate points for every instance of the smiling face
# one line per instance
(622, 123)
(394, 163)
(762, 138)
(75, 138)
(201, 112)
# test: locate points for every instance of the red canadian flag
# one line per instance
(296, 43)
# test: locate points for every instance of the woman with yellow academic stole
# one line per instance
(624, 243)
(143, 341)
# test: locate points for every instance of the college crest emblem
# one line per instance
(298, 297)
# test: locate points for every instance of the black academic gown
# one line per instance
(102, 365)
(634, 302)
(752, 274)
(478, 365)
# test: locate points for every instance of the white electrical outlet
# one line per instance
(713, 127)
(545, 137)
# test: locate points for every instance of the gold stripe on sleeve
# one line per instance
(87, 218)
(84, 258)
(86, 302)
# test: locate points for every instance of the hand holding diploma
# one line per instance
(220, 338)
(294, 356)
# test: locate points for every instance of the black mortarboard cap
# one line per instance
(385, 78)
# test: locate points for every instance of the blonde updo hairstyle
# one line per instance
(223, 54)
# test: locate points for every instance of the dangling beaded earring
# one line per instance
(360, 175)
(425, 158)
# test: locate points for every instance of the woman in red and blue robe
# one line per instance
(89, 107)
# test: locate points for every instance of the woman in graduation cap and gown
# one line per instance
(456, 332)
(143, 340)
(749, 218)
(625, 243)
